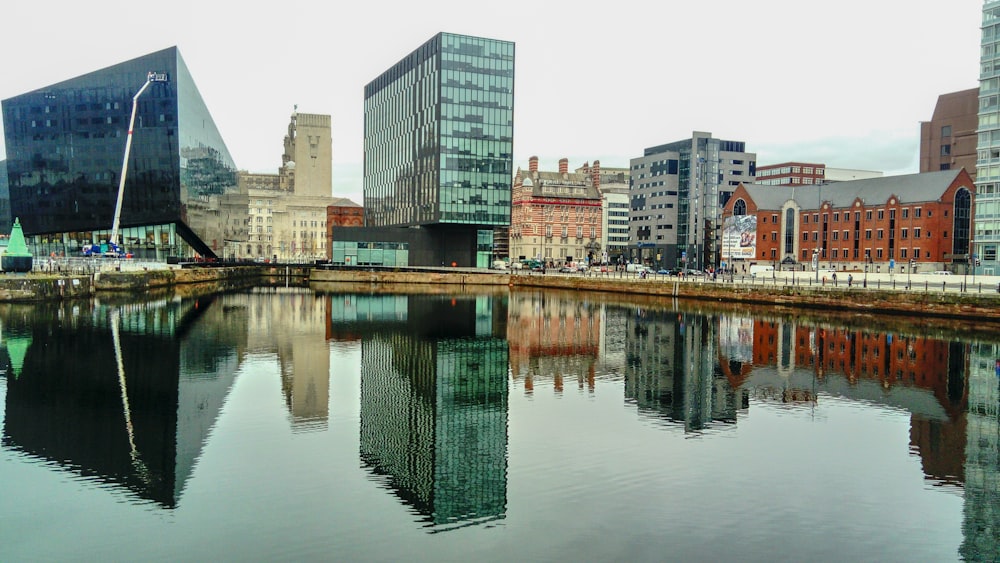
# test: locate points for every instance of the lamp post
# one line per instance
(150, 77)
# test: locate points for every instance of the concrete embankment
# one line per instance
(915, 302)
(38, 286)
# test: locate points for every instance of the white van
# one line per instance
(760, 269)
(636, 268)
(499, 264)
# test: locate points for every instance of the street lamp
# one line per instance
(150, 77)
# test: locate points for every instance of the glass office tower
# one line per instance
(439, 129)
(65, 145)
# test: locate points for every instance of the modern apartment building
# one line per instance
(948, 140)
(439, 129)
(987, 205)
(65, 146)
(677, 191)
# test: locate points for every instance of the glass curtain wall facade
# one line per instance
(986, 238)
(65, 145)
(439, 129)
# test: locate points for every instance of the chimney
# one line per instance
(563, 165)
(533, 164)
(596, 173)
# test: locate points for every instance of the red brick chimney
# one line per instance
(563, 165)
(533, 164)
(596, 173)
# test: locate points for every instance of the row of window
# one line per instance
(880, 234)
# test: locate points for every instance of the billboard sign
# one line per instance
(739, 237)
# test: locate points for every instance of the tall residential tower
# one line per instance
(987, 218)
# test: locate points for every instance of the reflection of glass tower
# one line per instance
(68, 404)
(434, 408)
(981, 525)
(673, 373)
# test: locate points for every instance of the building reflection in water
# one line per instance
(554, 337)
(673, 375)
(125, 395)
(950, 389)
(290, 324)
(433, 400)
(698, 372)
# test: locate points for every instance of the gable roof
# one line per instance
(909, 188)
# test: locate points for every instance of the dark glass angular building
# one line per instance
(439, 129)
(65, 145)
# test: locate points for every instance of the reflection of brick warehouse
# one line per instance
(552, 337)
(891, 360)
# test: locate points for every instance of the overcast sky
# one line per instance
(845, 83)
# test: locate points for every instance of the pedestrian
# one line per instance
(850, 280)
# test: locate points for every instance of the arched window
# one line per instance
(962, 221)
(740, 207)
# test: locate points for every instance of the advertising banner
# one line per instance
(739, 237)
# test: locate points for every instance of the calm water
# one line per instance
(286, 424)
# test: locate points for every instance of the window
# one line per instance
(916, 232)
(916, 212)
(945, 131)
(945, 150)
(881, 234)
(881, 214)
(868, 215)
(904, 233)
(868, 234)
(836, 217)
(906, 212)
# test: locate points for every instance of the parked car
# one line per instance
(567, 270)
(941, 273)
(692, 272)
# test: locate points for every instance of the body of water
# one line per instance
(292, 424)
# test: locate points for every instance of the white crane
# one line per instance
(150, 77)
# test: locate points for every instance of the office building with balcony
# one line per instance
(65, 146)
(438, 142)
(677, 193)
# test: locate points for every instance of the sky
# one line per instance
(844, 83)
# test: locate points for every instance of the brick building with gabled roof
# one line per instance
(924, 218)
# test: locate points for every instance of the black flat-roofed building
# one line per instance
(439, 129)
(65, 145)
